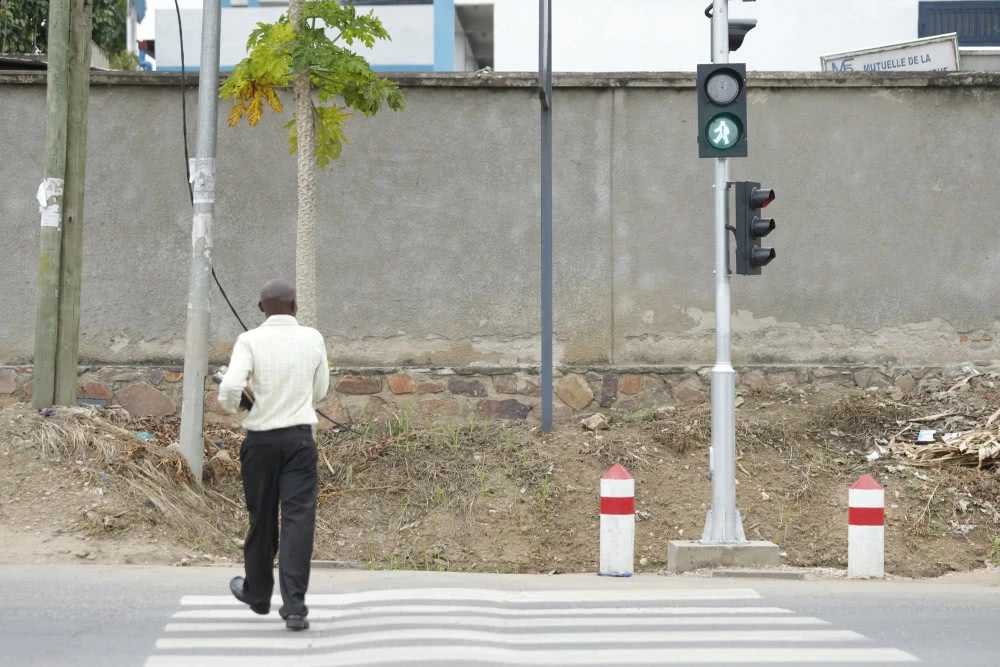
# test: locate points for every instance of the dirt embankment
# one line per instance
(87, 484)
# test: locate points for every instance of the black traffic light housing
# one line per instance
(751, 228)
(737, 28)
(722, 95)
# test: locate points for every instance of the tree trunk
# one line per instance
(305, 230)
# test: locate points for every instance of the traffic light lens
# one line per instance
(760, 198)
(761, 227)
(762, 256)
(723, 131)
(722, 87)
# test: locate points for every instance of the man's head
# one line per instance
(277, 297)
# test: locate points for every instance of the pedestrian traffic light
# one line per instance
(751, 228)
(722, 110)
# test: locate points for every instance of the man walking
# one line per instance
(284, 365)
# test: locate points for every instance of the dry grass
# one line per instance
(449, 463)
(480, 495)
(410, 497)
(862, 417)
(445, 469)
(102, 444)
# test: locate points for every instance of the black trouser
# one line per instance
(279, 466)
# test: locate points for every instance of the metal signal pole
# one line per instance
(545, 95)
(723, 523)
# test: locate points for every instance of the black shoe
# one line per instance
(297, 623)
(236, 587)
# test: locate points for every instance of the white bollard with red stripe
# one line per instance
(617, 523)
(866, 530)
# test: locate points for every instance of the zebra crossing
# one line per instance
(479, 627)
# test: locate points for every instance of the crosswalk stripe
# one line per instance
(560, 622)
(497, 596)
(520, 612)
(605, 623)
(333, 614)
(495, 638)
(478, 655)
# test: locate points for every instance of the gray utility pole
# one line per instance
(723, 524)
(545, 94)
(71, 262)
(203, 180)
(50, 203)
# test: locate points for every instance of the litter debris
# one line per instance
(962, 529)
(978, 446)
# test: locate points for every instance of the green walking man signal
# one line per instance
(722, 110)
(751, 228)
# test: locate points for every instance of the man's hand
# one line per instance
(246, 396)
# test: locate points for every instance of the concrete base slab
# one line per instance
(687, 555)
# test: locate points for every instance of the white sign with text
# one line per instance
(931, 54)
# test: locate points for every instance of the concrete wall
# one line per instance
(429, 238)
(980, 59)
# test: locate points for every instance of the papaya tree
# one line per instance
(310, 48)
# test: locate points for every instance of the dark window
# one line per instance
(977, 23)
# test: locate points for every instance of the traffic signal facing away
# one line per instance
(722, 110)
(751, 228)
(738, 28)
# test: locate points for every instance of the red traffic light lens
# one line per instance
(760, 197)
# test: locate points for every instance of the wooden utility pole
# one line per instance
(50, 201)
(71, 265)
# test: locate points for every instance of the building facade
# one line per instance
(674, 35)
(426, 35)
(602, 36)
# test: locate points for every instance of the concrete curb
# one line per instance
(759, 574)
(337, 565)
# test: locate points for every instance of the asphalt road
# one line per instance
(90, 616)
